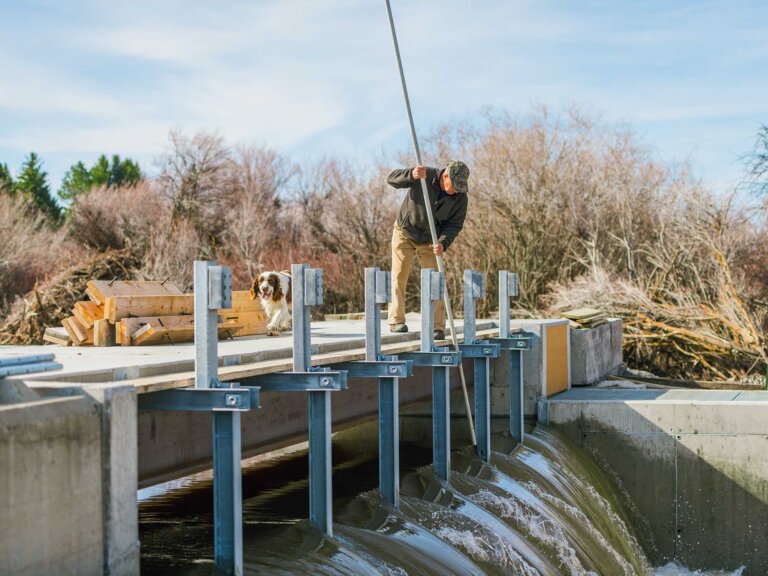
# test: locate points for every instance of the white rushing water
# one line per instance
(674, 569)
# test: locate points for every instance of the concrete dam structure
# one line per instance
(78, 442)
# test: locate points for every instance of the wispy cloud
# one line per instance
(314, 78)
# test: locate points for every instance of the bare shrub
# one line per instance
(171, 254)
(348, 217)
(30, 249)
(195, 176)
(119, 217)
(553, 196)
(256, 225)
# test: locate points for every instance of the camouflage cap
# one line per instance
(459, 174)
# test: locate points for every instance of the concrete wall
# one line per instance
(68, 480)
(50, 488)
(693, 464)
(596, 352)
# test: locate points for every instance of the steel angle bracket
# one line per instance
(376, 368)
(314, 381)
(28, 368)
(439, 359)
(201, 399)
(513, 342)
(480, 349)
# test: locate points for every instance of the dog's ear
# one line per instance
(255, 287)
(288, 297)
(277, 291)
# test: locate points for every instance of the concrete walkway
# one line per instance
(116, 363)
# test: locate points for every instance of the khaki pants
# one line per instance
(403, 251)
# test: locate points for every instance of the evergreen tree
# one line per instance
(6, 181)
(79, 179)
(101, 171)
(76, 181)
(32, 182)
(123, 172)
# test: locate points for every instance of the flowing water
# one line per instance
(541, 509)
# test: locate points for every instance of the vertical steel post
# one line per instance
(432, 287)
(377, 292)
(206, 334)
(307, 288)
(508, 288)
(213, 290)
(474, 289)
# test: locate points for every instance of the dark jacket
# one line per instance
(449, 211)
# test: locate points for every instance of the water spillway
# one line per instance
(544, 508)
(525, 502)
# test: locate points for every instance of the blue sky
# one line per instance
(318, 78)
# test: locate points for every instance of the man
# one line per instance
(447, 190)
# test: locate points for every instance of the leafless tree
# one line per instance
(255, 221)
(195, 175)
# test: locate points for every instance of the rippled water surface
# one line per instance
(540, 509)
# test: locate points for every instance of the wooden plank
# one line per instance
(151, 333)
(125, 336)
(557, 364)
(103, 333)
(241, 302)
(100, 290)
(88, 312)
(57, 335)
(70, 331)
(119, 307)
(253, 322)
(94, 296)
(77, 333)
(130, 325)
(582, 314)
(83, 333)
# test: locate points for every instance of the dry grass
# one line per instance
(30, 250)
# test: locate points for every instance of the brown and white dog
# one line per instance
(274, 289)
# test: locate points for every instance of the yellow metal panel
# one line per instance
(557, 358)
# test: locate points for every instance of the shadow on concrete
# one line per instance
(693, 465)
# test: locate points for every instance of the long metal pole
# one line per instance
(430, 217)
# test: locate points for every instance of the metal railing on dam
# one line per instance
(226, 400)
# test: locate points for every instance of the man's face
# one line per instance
(445, 182)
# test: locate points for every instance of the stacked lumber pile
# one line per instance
(585, 317)
(141, 313)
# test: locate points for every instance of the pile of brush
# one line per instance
(676, 333)
(52, 301)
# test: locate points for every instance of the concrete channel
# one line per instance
(692, 461)
(74, 448)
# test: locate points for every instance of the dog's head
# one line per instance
(267, 286)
